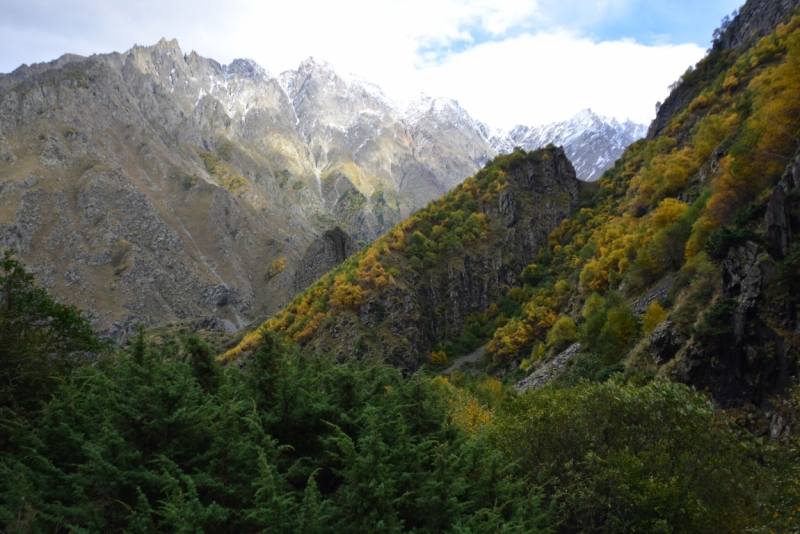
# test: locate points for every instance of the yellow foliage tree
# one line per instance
(345, 294)
(562, 334)
(508, 340)
(371, 273)
(397, 239)
(653, 316)
(701, 229)
(438, 358)
(468, 413)
(275, 268)
(711, 131)
(668, 211)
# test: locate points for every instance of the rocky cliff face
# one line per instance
(330, 249)
(592, 143)
(755, 19)
(755, 358)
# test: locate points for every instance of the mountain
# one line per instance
(592, 142)
(153, 185)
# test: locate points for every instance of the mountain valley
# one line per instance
(302, 307)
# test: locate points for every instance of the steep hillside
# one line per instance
(155, 185)
(696, 228)
(755, 19)
(592, 143)
(418, 285)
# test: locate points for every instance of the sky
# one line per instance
(506, 62)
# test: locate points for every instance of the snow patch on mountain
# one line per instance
(592, 142)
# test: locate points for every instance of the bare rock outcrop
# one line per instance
(326, 252)
(549, 370)
(665, 342)
(779, 221)
(755, 19)
(656, 294)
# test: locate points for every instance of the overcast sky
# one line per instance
(506, 61)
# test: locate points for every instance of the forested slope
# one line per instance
(674, 211)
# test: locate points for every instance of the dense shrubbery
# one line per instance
(625, 458)
(164, 440)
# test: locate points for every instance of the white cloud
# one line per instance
(535, 79)
(405, 46)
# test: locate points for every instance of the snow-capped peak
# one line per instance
(442, 108)
(592, 142)
(246, 68)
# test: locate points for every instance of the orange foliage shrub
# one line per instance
(397, 239)
(371, 273)
(309, 328)
(345, 295)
